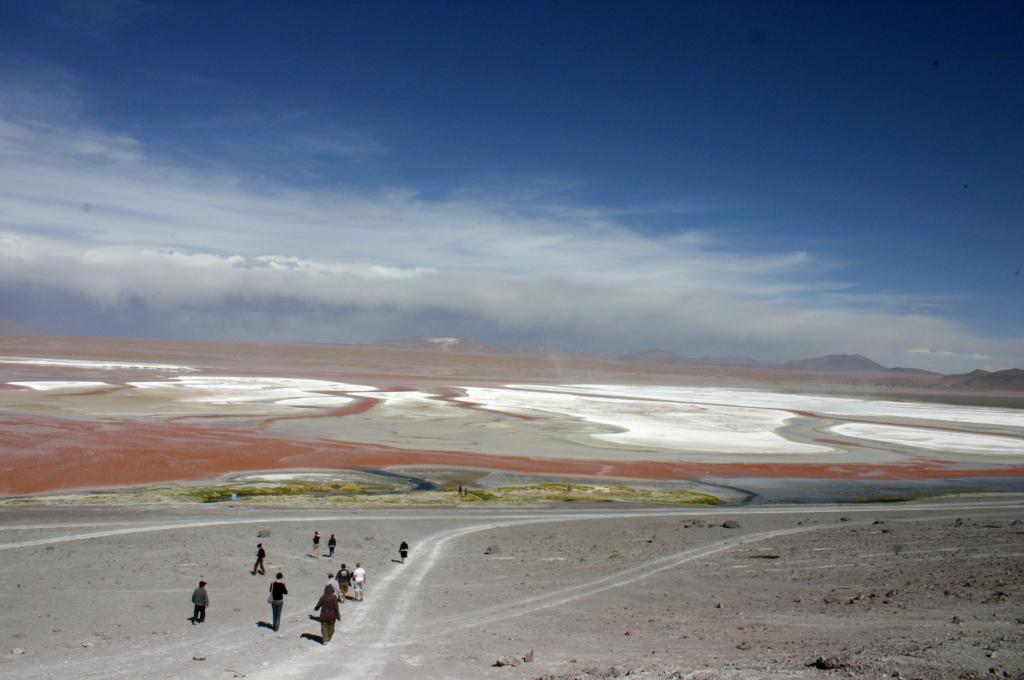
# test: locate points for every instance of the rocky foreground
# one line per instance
(560, 591)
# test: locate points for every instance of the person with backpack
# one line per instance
(344, 579)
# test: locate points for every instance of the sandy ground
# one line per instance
(925, 589)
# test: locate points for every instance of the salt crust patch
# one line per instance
(845, 406)
(279, 391)
(934, 440)
(106, 365)
(410, 402)
(61, 386)
(667, 425)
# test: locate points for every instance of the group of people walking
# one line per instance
(336, 591)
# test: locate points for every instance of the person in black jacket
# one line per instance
(201, 600)
(403, 551)
(277, 592)
(260, 554)
(332, 542)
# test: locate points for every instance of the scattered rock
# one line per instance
(369, 538)
(263, 533)
(493, 550)
(87, 644)
(833, 662)
(628, 633)
(878, 521)
(844, 519)
(529, 657)
(281, 636)
(57, 629)
(616, 555)
(718, 606)
(1015, 523)
(732, 524)
(237, 608)
(958, 523)
(743, 645)
(507, 661)
(956, 619)
(17, 650)
(198, 657)
(49, 547)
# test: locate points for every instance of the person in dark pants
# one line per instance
(260, 554)
(330, 612)
(332, 542)
(403, 550)
(277, 592)
(201, 600)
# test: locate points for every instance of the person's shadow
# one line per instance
(264, 624)
(398, 561)
(311, 636)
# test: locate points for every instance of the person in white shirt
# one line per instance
(359, 579)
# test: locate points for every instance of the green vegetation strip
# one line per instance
(347, 493)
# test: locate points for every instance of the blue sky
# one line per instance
(776, 180)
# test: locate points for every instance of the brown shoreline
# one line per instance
(40, 454)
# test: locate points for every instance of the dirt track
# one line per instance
(794, 583)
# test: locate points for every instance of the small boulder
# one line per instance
(17, 650)
(844, 519)
(87, 644)
(529, 657)
(263, 533)
(493, 550)
(507, 661)
(833, 662)
(732, 524)
(57, 629)
(198, 657)
(743, 645)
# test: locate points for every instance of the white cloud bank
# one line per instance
(97, 237)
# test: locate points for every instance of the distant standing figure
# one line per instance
(278, 590)
(344, 579)
(330, 612)
(403, 550)
(316, 544)
(331, 543)
(260, 554)
(359, 577)
(201, 600)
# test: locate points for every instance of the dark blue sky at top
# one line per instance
(820, 126)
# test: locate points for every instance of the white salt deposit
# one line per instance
(415, 404)
(840, 406)
(234, 390)
(62, 386)
(661, 424)
(934, 440)
(101, 365)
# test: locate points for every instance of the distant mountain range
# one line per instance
(1010, 379)
(15, 327)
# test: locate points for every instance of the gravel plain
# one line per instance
(927, 589)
